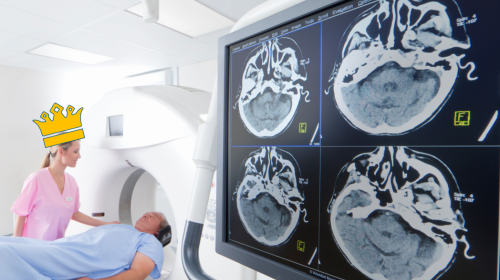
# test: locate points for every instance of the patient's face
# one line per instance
(149, 222)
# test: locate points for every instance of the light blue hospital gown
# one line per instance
(97, 253)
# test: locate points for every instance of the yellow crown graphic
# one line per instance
(62, 125)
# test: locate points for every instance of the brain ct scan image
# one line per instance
(393, 217)
(271, 87)
(361, 140)
(398, 63)
(269, 197)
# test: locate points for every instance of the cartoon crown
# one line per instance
(63, 126)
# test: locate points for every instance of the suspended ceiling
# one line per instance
(105, 27)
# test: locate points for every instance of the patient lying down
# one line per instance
(114, 251)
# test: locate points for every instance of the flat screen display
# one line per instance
(363, 141)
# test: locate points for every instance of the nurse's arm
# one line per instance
(19, 226)
(84, 219)
(140, 268)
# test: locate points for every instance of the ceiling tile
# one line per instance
(213, 38)
(74, 12)
(191, 49)
(29, 25)
(121, 3)
(233, 9)
(43, 63)
(130, 28)
(7, 53)
(98, 44)
(14, 42)
(159, 59)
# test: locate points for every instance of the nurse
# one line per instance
(50, 197)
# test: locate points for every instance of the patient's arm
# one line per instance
(140, 268)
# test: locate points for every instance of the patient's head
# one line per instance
(151, 222)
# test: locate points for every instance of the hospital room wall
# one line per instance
(24, 94)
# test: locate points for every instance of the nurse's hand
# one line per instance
(84, 278)
(113, 223)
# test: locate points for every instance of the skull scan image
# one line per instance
(393, 217)
(269, 199)
(271, 87)
(398, 64)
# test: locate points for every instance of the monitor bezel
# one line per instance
(254, 261)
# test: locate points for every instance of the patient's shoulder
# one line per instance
(151, 240)
(150, 243)
(152, 248)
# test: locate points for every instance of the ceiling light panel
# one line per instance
(188, 17)
(65, 53)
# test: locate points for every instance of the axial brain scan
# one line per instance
(268, 198)
(271, 87)
(392, 215)
(398, 64)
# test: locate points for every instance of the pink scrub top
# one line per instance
(47, 211)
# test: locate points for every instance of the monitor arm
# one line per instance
(205, 159)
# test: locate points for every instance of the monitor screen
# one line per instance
(362, 141)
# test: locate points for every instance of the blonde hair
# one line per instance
(53, 152)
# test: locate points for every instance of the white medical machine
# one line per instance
(136, 157)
